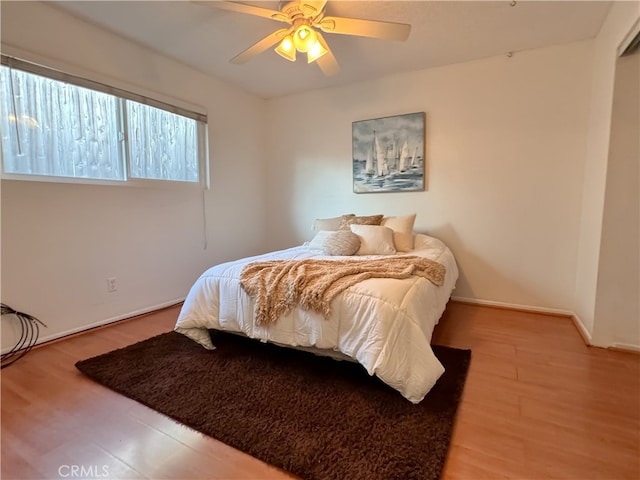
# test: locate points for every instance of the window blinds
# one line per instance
(16, 63)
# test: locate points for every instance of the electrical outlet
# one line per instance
(111, 284)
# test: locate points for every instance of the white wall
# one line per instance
(506, 141)
(60, 242)
(620, 19)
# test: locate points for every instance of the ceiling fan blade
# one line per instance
(327, 63)
(244, 8)
(365, 28)
(261, 46)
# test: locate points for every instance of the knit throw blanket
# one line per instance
(278, 285)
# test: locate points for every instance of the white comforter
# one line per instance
(385, 324)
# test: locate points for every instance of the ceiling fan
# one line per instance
(306, 18)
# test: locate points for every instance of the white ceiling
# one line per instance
(442, 33)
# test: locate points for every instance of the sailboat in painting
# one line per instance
(414, 159)
(375, 165)
(403, 157)
(368, 165)
(382, 168)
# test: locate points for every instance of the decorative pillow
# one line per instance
(343, 243)
(402, 231)
(374, 239)
(330, 224)
(369, 220)
(319, 239)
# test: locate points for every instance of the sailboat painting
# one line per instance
(388, 154)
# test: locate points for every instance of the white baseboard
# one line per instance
(582, 330)
(514, 306)
(625, 347)
(100, 323)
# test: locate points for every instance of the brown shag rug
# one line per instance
(312, 416)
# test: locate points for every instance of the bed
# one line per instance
(385, 324)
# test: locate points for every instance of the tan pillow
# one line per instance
(330, 224)
(343, 243)
(369, 220)
(402, 231)
(374, 239)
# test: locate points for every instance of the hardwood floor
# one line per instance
(538, 403)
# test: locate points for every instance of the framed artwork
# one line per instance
(388, 154)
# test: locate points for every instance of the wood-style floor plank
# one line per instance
(538, 403)
(571, 412)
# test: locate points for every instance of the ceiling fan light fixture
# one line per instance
(315, 52)
(286, 49)
(304, 38)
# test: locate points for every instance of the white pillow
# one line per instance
(319, 239)
(402, 231)
(374, 239)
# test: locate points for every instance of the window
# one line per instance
(57, 125)
(162, 145)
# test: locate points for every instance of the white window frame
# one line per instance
(122, 95)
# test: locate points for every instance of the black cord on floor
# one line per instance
(29, 332)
